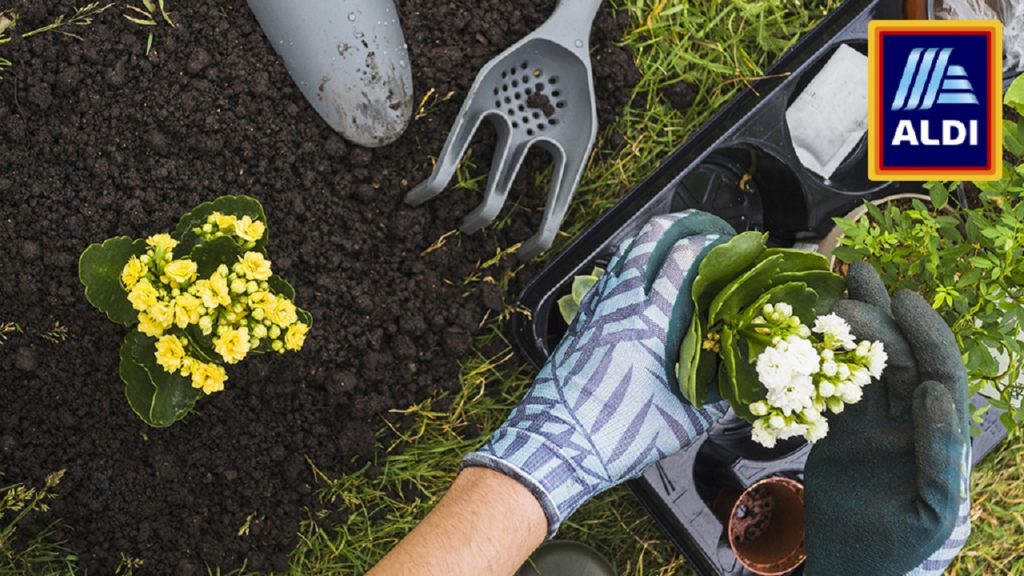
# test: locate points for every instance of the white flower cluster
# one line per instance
(805, 376)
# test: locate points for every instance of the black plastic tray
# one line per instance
(783, 198)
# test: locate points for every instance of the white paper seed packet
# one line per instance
(830, 116)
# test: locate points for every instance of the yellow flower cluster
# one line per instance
(246, 229)
(234, 304)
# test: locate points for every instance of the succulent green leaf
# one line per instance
(744, 290)
(796, 260)
(238, 205)
(202, 345)
(208, 256)
(280, 287)
(723, 264)
(737, 379)
(99, 269)
(827, 286)
(158, 397)
(689, 357)
(581, 285)
(568, 308)
(697, 367)
(797, 294)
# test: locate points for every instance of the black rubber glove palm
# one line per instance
(884, 488)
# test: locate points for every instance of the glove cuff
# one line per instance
(539, 465)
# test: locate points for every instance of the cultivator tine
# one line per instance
(569, 166)
(448, 161)
(503, 173)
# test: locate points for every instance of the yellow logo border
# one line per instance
(995, 92)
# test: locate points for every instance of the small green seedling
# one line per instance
(569, 305)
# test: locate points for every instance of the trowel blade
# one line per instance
(349, 59)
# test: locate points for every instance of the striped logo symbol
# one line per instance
(930, 79)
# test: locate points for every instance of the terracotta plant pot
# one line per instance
(766, 527)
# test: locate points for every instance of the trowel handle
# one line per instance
(574, 18)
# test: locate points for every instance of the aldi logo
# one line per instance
(935, 100)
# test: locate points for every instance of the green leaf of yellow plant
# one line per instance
(208, 256)
(99, 269)
(158, 397)
(234, 205)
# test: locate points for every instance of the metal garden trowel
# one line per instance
(538, 92)
(349, 58)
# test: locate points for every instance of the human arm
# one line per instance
(487, 523)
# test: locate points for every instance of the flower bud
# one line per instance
(254, 343)
(237, 269)
(264, 285)
(221, 329)
(252, 287)
(237, 307)
(222, 270)
(258, 314)
(206, 324)
(175, 292)
(238, 286)
(259, 331)
(275, 331)
(835, 405)
(144, 259)
(759, 408)
(207, 228)
(278, 346)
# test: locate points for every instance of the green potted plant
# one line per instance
(968, 262)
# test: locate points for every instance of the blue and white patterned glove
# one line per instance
(606, 405)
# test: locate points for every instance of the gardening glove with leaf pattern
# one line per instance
(606, 406)
(887, 489)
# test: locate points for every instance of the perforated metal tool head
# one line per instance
(538, 92)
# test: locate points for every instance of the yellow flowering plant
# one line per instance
(197, 299)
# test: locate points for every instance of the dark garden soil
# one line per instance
(97, 140)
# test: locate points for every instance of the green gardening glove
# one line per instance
(885, 488)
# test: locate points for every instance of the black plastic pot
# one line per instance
(781, 197)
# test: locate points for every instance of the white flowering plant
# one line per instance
(197, 299)
(761, 326)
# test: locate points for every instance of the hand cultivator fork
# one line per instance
(538, 92)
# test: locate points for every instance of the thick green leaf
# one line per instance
(797, 260)
(686, 368)
(280, 287)
(723, 264)
(827, 285)
(744, 290)
(208, 256)
(158, 397)
(797, 294)
(581, 285)
(568, 308)
(237, 205)
(99, 269)
(737, 379)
